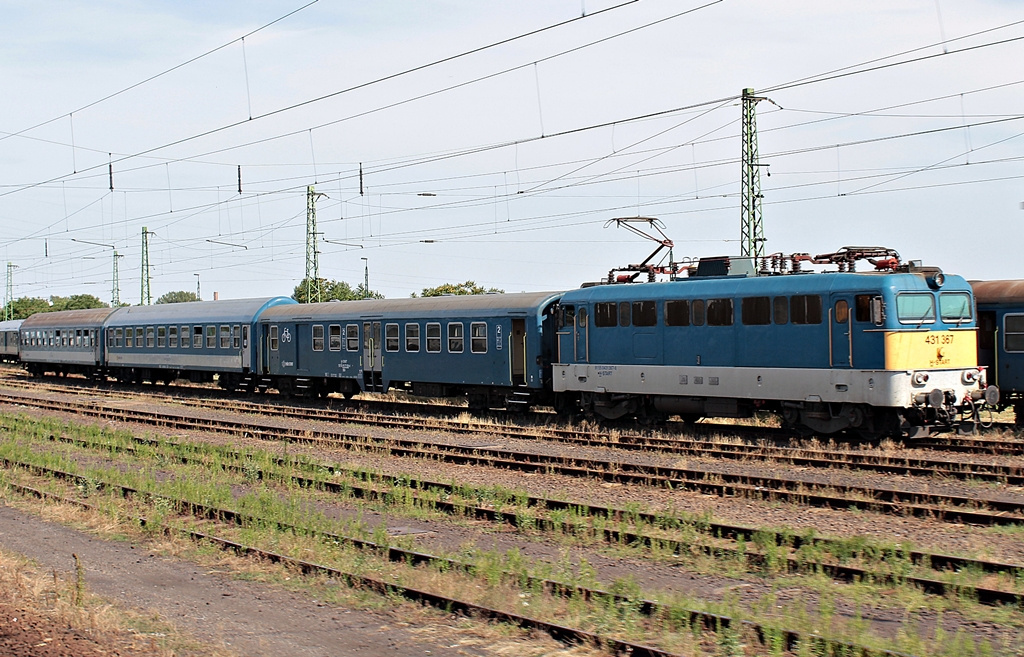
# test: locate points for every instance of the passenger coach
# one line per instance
(187, 340)
(869, 352)
(64, 342)
(10, 337)
(495, 349)
(1001, 338)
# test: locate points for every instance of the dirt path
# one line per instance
(245, 617)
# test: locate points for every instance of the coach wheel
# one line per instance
(349, 394)
(690, 419)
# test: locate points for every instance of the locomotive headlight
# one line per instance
(920, 378)
(970, 377)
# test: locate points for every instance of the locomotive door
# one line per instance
(372, 361)
(840, 330)
(580, 328)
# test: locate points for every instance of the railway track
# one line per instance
(792, 640)
(381, 487)
(701, 445)
(943, 507)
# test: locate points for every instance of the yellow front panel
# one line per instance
(922, 350)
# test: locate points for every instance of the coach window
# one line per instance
(352, 337)
(955, 307)
(110, 338)
(172, 337)
(1013, 333)
(805, 309)
(780, 310)
(236, 337)
(915, 308)
(756, 311)
(150, 333)
(433, 338)
(318, 337)
(456, 334)
(606, 314)
(719, 312)
(211, 337)
(129, 337)
(624, 312)
(138, 337)
(645, 313)
(391, 339)
(161, 337)
(225, 336)
(119, 338)
(478, 337)
(184, 337)
(677, 312)
(273, 338)
(77, 337)
(412, 337)
(334, 333)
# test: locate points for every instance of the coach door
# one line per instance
(517, 351)
(372, 378)
(840, 331)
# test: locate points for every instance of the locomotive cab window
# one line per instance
(606, 314)
(756, 311)
(273, 338)
(391, 340)
(955, 307)
(566, 317)
(318, 337)
(433, 338)
(412, 337)
(915, 308)
(805, 309)
(334, 335)
(1013, 333)
(455, 338)
(352, 337)
(478, 337)
(645, 313)
(677, 312)
(842, 311)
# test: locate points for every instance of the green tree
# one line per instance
(181, 296)
(76, 302)
(333, 291)
(25, 307)
(469, 287)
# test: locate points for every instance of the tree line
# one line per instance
(330, 290)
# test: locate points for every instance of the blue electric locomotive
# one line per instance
(869, 352)
(494, 349)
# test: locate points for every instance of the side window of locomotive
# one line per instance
(412, 337)
(955, 307)
(352, 337)
(455, 338)
(334, 333)
(566, 317)
(805, 309)
(318, 337)
(756, 311)
(915, 308)
(273, 338)
(197, 337)
(645, 313)
(433, 338)
(624, 312)
(842, 311)
(606, 314)
(1013, 333)
(698, 312)
(677, 312)
(391, 341)
(780, 310)
(862, 307)
(719, 312)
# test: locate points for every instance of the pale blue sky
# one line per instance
(509, 209)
